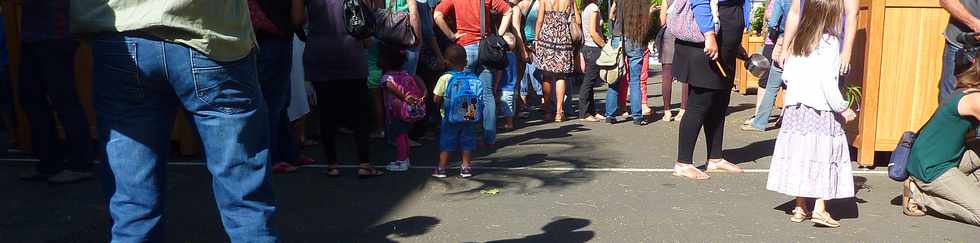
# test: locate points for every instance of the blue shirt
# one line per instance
(702, 13)
(780, 10)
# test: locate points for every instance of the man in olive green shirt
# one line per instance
(150, 56)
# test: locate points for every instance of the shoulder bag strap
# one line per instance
(483, 20)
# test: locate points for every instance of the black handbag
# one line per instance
(493, 48)
(394, 28)
(358, 23)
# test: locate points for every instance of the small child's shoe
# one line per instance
(439, 173)
(465, 171)
(283, 167)
(398, 166)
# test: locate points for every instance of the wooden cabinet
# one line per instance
(902, 45)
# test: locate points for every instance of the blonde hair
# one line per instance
(819, 17)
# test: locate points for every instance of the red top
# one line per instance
(467, 14)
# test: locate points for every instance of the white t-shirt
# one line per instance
(591, 10)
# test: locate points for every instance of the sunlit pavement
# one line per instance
(560, 182)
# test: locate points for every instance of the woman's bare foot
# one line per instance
(690, 172)
(722, 165)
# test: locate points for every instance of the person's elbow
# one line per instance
(946, 4)
(438, 17)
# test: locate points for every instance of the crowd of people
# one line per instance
(233, 66)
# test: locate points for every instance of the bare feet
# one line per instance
(689, 172)
(721, 165)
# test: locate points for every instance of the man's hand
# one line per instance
(458, 35)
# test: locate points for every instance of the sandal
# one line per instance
(799, 215)
(368, 172)
(824, 219)
(723, 165)
(560, 117)
(682, 170)
(332, 171)
(591, 119)
(909, 206)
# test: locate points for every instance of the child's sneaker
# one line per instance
(283, 167)
(465, 171)
(398, 165)
(439, 173)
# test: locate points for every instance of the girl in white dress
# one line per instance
(811, 159)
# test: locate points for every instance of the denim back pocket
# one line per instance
(115, 70)
(226, 87)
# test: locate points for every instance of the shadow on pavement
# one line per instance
(844, 208)
(564, 230)
(751, 152)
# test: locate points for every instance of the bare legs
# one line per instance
(547, 90)
(560, 100)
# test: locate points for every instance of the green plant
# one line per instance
(758, 19)
(853, 96)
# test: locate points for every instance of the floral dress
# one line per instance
(556, 51)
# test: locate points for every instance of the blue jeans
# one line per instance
(947, 80)
(139, 84)
(634, 58)
(47, 87)
(761, 120)
(489, 101)
(274, 61)
(530, 80)
(507, 100)
(411, 60)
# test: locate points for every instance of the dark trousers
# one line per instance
(6, 109)
(274, 62)
(47, 86)
(706, 108)
(288, 149)
(343, 102)
(586, 93)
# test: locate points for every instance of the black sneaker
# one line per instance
(439, 173)
(466, 171)
(640, 122)
(610, 120)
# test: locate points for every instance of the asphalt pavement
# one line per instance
(556, 182)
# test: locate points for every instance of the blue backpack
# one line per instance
(464, 98)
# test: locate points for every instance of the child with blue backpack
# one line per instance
(404, 102)
(460, 94)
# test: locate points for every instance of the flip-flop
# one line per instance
(332, 172)
(677, 172)
(371, 173)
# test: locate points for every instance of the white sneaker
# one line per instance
(67, 176)
(398, 165)
(413, 143)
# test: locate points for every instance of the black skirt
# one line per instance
(692, 66)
